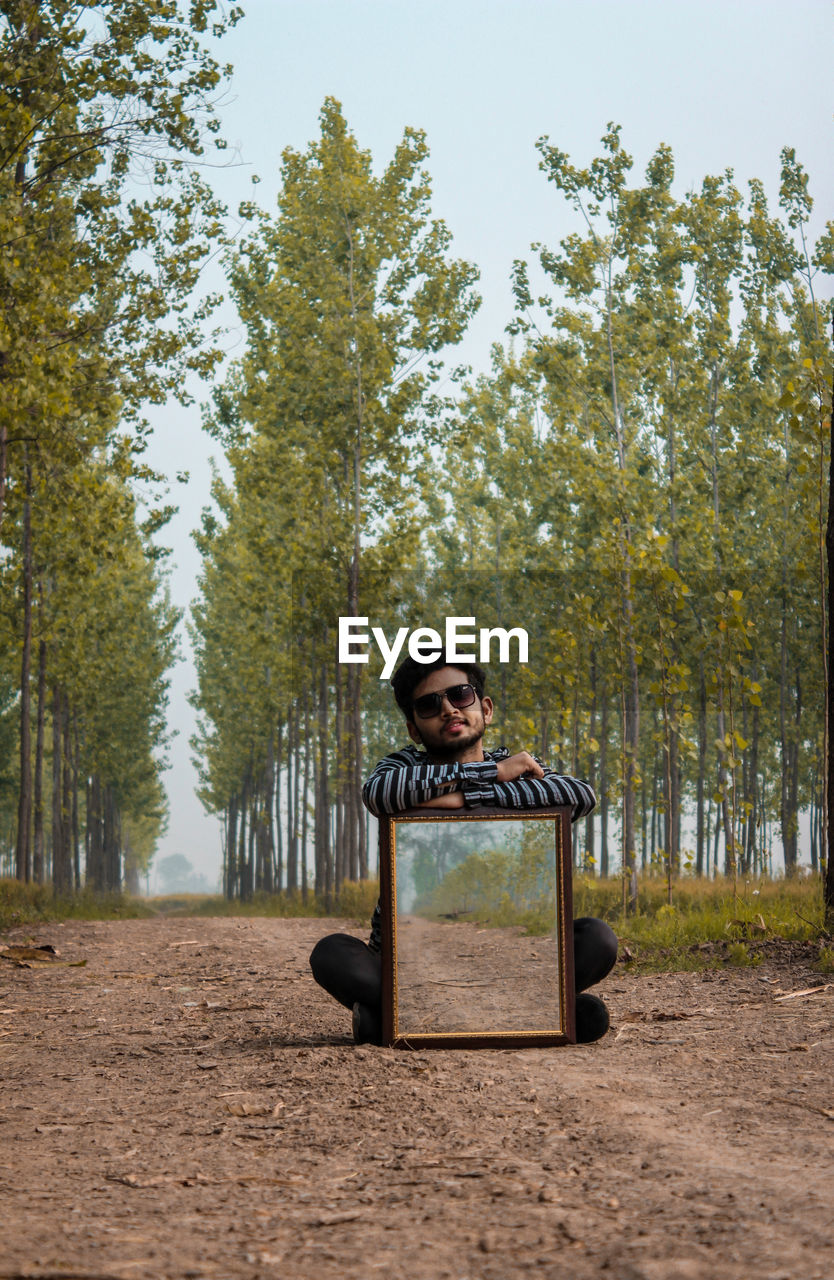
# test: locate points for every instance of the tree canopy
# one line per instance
(105, 221)
(638, 481)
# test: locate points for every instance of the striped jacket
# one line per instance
(407, 777)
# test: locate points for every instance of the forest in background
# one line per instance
(105, 222)
(641, 480)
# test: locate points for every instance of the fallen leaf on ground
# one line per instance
(806, 991)
(28, 953)
(332, 1219)
(248, 1108)
(37, 958)
(807, 1106)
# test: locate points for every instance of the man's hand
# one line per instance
(448, 800)
(517, 766)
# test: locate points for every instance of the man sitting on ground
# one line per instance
(446, 713)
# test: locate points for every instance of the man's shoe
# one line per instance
(367, 1025)
(592, 1019)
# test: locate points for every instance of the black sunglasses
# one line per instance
(429, 704)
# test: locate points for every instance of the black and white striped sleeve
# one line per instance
(553, 788)
(528, 792)
(405, 779)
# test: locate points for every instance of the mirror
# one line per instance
(478, 909)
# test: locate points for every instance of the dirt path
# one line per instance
(188, 1104)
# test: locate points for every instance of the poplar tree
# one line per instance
(104, 223)
(349, 297)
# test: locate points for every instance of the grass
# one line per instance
(705, 925)
(704, 912)
(355, 901)
(32, 904)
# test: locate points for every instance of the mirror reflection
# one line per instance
(477, 926)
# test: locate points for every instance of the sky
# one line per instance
(725, 83)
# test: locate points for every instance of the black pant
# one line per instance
(349, 971)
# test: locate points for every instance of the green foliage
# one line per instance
(173, 872)
(740, 957)
(504, 885)
(33, 904)
(355, 901)
(668, 463)
(707, 921)
(348, 296)
(105, 221)
(707, 925)
(639, 481)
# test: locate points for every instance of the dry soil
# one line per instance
(186, 1103)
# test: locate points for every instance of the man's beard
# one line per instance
(449, 748)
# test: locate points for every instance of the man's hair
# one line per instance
(410, 673)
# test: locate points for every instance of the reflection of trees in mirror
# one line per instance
(435, 848)
(504, 875)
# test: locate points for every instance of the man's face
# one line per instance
(454, 733)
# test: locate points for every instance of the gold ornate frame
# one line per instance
(565, 1031)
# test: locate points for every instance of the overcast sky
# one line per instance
(726, 83)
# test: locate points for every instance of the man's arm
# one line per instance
(404, 781)
(449, 800)
(523, 782)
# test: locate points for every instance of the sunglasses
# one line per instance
(429, 704)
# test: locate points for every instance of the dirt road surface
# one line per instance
(187, 1104)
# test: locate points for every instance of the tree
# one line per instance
(104, 223)
(349, 296)
(174, 872)
(637, 481)
(90, 101)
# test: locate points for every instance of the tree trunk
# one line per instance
(112, 842)
(788, 837)
(230, 868)
(95, 856)
(272, 805)
(793, 780)
(675, 800)
(828, 765)
(358, 857)
(719, 813)
(631, 736)
(4, 445)
(590, 843)
(76, 844)
(655, 815)
(304, 794)
(61, 870)
(293, 764)
(324, 858)
(754, 856)
(343, 853)
(23, 850)
(701, 836)
(66, 792)
(603, 785)
(252, 882)
(38, 847)
(241, 842)
(644, 821)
